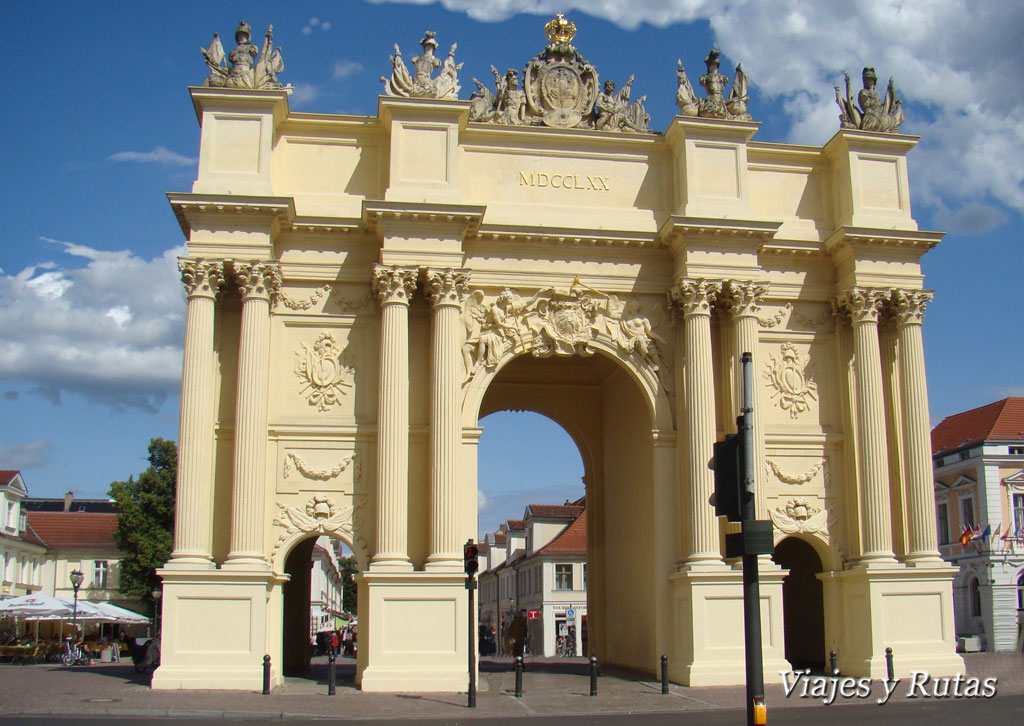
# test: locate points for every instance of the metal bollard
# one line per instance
(833, 663)
(888, 664)
(331, 677)
(266, 675)
(519, 676)
(664, 675)
(593, 675)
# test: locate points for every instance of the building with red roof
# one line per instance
(978, 463)
(539, 564)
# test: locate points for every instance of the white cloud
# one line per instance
(346, 68)
(159, 155)
(110, 329)
(957, 64)
(304, 93)
(25, 456)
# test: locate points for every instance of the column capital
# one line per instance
(695, 296)
(864, 304)
(742, 297)
(258, 279)
(201, 277)
(909, 305)
(394, 284)
(446, 287)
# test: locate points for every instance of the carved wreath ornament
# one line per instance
(324, 377)
(788, 376)
(320, 516)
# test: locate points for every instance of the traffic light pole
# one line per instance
(751, 588)
(471, 564)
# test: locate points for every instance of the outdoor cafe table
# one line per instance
(16, 651)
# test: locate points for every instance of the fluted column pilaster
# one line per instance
(922, 540)
(394, 286)
(259, 283)
(744, 300)
(695, 299)
(864, 305)
(446, 289)
(193, 522)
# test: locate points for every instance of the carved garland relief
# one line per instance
(323, 376)
(308, 472)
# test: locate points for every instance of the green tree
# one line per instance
(145, 520)
(349, 569)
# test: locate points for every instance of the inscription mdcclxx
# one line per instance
(564, 181)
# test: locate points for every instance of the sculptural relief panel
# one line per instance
(317, 466)
(797, 392)
(316, 370)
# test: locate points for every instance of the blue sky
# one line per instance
(98, 126)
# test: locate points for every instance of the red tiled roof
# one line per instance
(7, 475)
(516, 524)
(999, 421)
(74, 530)
(499, 538)
(31, 537)
(570, 541)
(555, 510)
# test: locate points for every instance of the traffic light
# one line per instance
(470, 555)
(728, 466)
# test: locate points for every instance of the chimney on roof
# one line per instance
(68, 498)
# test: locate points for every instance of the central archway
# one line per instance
(608, 416)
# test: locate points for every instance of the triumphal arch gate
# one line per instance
(362, 290)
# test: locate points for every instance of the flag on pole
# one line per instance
(978, 534)
(965, 536)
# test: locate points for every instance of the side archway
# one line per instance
(802, 603)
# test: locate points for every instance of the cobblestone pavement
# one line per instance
(550, 686)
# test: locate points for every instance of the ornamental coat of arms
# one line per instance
(561, 87)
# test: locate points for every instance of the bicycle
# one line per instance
(73, 654)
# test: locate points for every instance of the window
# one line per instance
(943, 523)
(563, 577)
(1018, 515)
(967, 512)
(100, 572)
(584, 575)
(1020, 592)
(975, 593)
(1017, 450)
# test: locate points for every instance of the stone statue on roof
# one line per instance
(421, 84)
(874, 113)
(247, 66)
(716, 104)
(560, 89)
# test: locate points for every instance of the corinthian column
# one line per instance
(695, 298)
(446, 289)
(259, 282)
(193, 521)
(876, 529)
(744, 303)
(922, 542)
(394, 286)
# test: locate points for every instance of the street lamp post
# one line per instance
(76, 583)
(156, 612)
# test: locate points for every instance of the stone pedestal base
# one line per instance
(709, 626)
(214, 630)
(908, 609)
(414, 636)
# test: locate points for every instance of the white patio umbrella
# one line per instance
(121, 615)
(31, 607)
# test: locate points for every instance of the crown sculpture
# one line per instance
(874, 114)
(420, 84)
(250, 67)
(733, 108)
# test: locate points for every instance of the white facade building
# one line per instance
(978, 459)
(539, 564)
